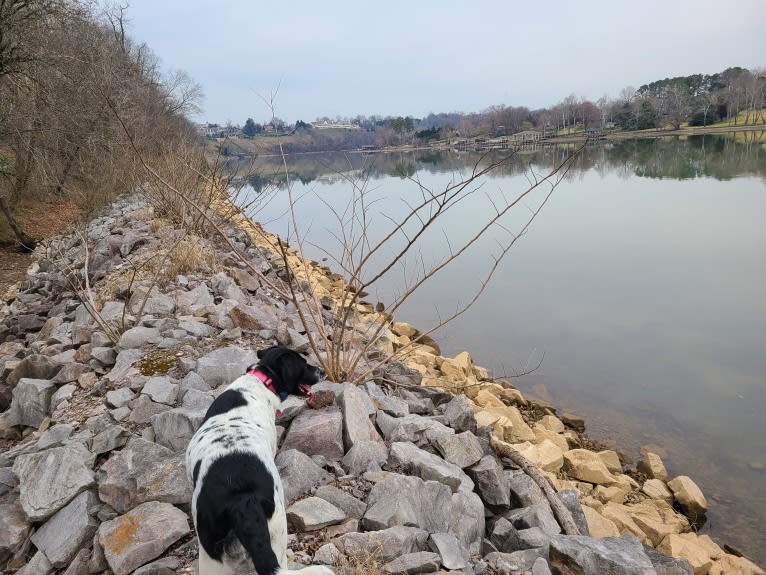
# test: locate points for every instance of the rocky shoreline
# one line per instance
(409, 472)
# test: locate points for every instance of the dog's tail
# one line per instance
(252, 529)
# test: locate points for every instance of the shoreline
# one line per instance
(531, 427)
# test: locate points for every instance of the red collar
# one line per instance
(267, 381)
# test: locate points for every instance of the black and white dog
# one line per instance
(238, 502)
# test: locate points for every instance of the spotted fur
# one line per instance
(238, 501)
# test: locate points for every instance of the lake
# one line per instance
(641, 286)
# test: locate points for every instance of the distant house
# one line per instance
(213, 131)
(526, 137)
(330, 125)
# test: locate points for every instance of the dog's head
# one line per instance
(291, 374)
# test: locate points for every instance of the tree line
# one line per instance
(83, 106)
(698, 99)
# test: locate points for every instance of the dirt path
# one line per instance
(41, 220)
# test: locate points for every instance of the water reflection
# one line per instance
(642, 281)
(713, 156)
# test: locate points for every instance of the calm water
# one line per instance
(642, 281)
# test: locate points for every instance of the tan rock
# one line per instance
(656, 489)
(611, 460)
(514, 428)
(688, 495)
(605, 494)
(626, 482)
(585, 489)
(676, 545)
(657, 519)
(591, 502)
(598, 525)
(651, 465)
(485, 418)
(542, 434)
(551, 423)
(546, 455)
(511, 396)
(464, 361)
(405, 329)
(619, 514)
(711, 546)
(587, 466)
(480, 373)
(731, 565)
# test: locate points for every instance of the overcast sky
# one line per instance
(342, 58)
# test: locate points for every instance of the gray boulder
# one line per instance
(33, 367)
(349, 504)
(404, 500)
(137, 337)
(68, 530)
(50, 479)
(224, 365)
(126, 480)
(313, 513)
(142, 534)
(462, 449)
(317, 432)
(365, 456)
(453, 553)
(539, 515)
(420, 562)
(460, 415)
(299, 473)
(615, 555)
(174, 428)
(491, 482)
(429, 466)
(356, 424)
(14, 529)
(386, 544)
(31, 401)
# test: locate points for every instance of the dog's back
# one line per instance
(238, 500)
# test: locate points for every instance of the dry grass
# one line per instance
(361, 562)
(191, 255)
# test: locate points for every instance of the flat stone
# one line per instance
(200, 296)
(317, 432)
(254, 317)
(517, 561)
(37, 565)
(142, 534)
(365, 456)
(313, 513)
(175, 428)
(656, 489)
(299, 473)
(106, 356)
(68, 530)
(50, 479)
(196, 328)
(615, 555)
(420, 562)
(224, 365)
(31, 401)
(137, 337)
(453, 553)
(587, 466)
(406, 500)
(63, 393)
(598, 525)
(429, 466)
(161, 390)
(113, 437)
(349, 504)
(385, 544)
(461, 449)
(119, 397)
